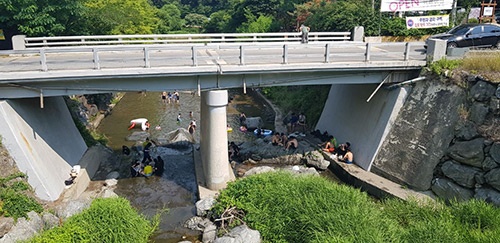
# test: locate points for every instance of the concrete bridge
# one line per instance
(39, 131)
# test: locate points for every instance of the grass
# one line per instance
(289, 208)
(107, 220)
(485, 63)
(14, 202)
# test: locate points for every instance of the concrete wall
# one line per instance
(349, 118)
(45, 143)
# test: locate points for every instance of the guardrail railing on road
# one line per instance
(98, 40)
(158, 56)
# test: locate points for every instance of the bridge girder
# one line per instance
(195, 78)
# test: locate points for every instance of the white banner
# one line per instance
(488, 11)
(414, 5)
(422, 22)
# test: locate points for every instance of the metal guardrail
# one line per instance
(193, 55)
(99, 40)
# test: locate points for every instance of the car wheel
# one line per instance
(452, 45)
(498, 44)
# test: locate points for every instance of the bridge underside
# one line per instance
(34, 84)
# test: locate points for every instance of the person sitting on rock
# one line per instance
(276, 139)
(284, 139)
(148, 170)
(342, 149)
(348, 158)
(330, 145)
(292, 143)
(234, 150)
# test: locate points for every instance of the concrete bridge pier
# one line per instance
(214, 141)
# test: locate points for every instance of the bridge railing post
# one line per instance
(147, 64)
(43, 60)
(367, 52)
(327, 53)
(285, 54)
(242, 55)
(193, 56)
(407, 51)
(97, 64)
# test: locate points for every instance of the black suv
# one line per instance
(471, 35)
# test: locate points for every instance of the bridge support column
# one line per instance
(213, 142)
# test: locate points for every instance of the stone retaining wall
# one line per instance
(447, 139)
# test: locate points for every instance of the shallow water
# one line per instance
(176, 189)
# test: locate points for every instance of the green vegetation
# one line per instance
(104, 17)
(441, 66)
(291, 208)
(299, 99)
(90, 137)
(14, 202)
(107, 220)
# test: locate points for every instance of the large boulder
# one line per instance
(482, 91)
(240, 234)
(449, 191)
(478, 113)
(420, 135)
(461, 174)
(468, 152)
(204, 205)
(254, 122)
(316, 160)
(24, 228)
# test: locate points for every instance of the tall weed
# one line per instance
(107, 220)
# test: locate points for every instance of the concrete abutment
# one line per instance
(44, 142)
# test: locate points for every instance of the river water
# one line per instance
(176, 189)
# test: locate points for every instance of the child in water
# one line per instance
(179, 119)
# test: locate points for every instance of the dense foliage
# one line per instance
(14, 202)
(290, 208)
(107, 220)
(307, 99)
(94, 17)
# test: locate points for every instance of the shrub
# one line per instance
(288, 208)
(107, 220)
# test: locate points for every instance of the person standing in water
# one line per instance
(179, 119)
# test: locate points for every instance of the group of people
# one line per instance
(342, 151)
(168, 97)
(288, 142)
(148, 166)
(296, 122)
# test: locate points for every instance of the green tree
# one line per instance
(253, 24)
(120, 17)
(169, 19)
(218, 22)
(41, 17)
(195, 20)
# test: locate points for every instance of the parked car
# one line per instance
(471, 35)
